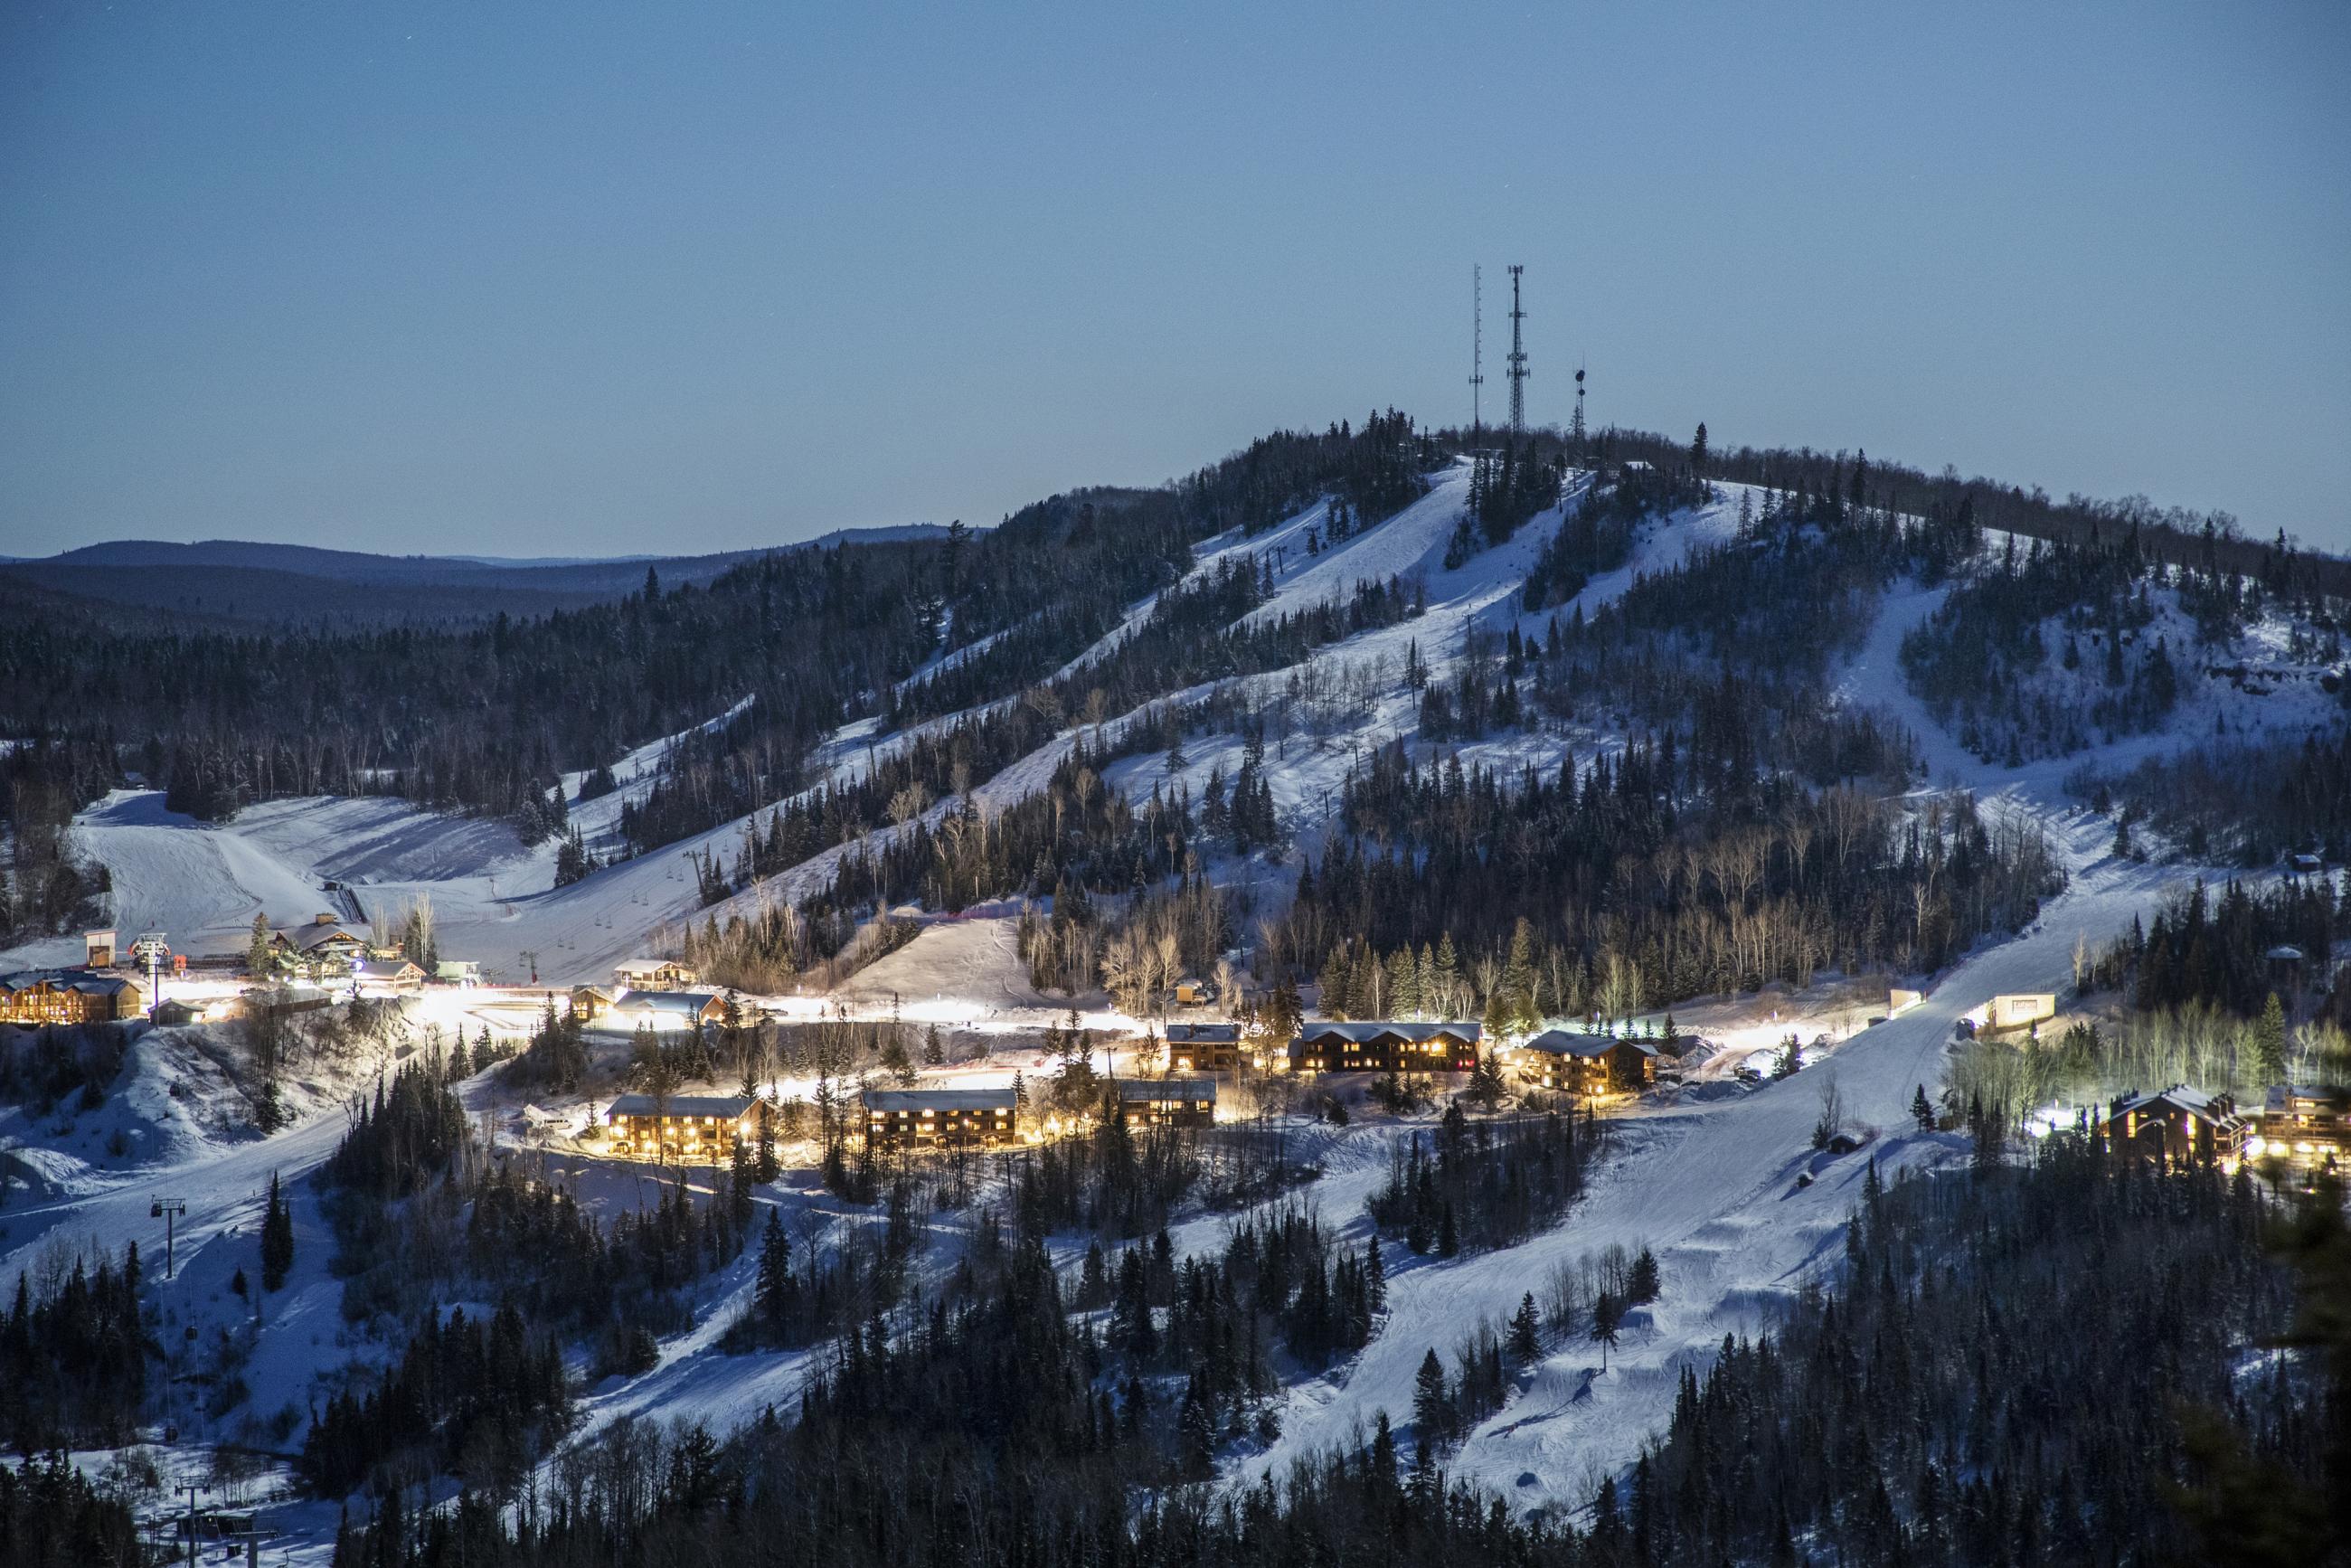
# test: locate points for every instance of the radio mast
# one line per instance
(1518, 361)
(1477, 349)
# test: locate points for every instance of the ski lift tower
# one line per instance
(151, 949)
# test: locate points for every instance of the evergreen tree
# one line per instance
(2268, 1043)
(1607, 1316)
(1641, 1285)
(277, 1239)
(1922, 1111)
(1432, 1407)
(1526, 1338)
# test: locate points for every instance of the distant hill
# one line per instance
(248, 581)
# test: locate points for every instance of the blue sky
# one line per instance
(587, 278)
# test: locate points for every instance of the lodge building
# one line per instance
(1385, 1047)
(2178, 1123)
(1204, 1046)
(2305, 1120)
(1168, 1101)
(938, 1118)
(687, 1128)
(1586, 1064)
(69, 995)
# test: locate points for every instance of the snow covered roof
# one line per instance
(691, 1003)
(1166, 1089)
(80, 981)
(727, 1107)
(388, 969)
(938, 1099)
(308, 938)
(1370, 1030)
(1560, 1042)
(1204, 1034)
(2180, 1097)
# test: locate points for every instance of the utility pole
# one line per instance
(191, 1488)
(1476, 348)
(170, 1211)
(1518, 361)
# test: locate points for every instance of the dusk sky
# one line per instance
(578, 278)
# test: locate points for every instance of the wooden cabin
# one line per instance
(687, 1128)
(2178, 1123)
(1385, 1047)
(1204, 1046)
(938, 1118)
(593, 1004)
(655, 974)
(1572, 1063)
(1168, 1101)
(69, 995)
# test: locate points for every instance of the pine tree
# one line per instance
(260, 956)
(1607, 1316)
(1432, 1409)
(1526, 1339)
(277, 1239)
(772, 1294)
(1922, 1111)
(1640, 1286)
(2268, 1043)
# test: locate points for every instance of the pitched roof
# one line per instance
(1372, 1028)
(1560, 1042)
(1204, 1034)
(2195, 1102)
(939, 1099)
(689, 1002)
(727, 1107)
(1166, 1089)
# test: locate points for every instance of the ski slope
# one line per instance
(1712, 1188)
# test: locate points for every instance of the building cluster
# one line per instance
(324, 948)
(653, 993)
(2299, 1124)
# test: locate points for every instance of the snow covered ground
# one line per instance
(1710, 1181)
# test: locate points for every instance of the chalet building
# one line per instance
(687, 1128)
(593, 1004)
(2178, 1123)
(69, 995)
(669, 1010)
(322, 942)
(403, 973)
(1385, 1047)
(1168, 1101)
(175, 1013)
(1204, 1046)
(1586, 1064)
(654, 975)
(938, 1118)
(2303, 1121)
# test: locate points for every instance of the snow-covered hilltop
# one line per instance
(1608, 744)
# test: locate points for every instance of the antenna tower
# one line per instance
(1477, 347)
(1577, 432)
(1518, 360)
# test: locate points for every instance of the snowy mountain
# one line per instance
(1354, 636)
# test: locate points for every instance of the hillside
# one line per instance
(1642, 745)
